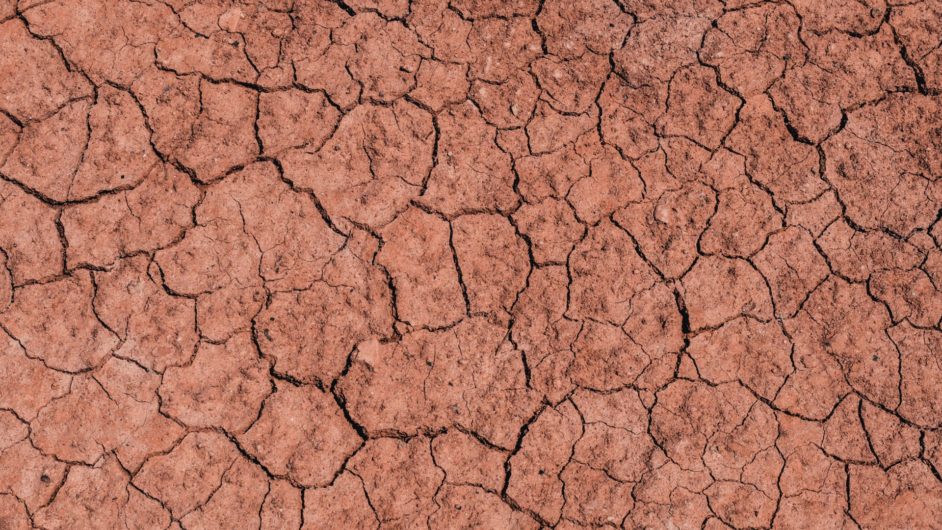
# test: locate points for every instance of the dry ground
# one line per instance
(487, 264)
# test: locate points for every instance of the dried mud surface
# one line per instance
(481, 264)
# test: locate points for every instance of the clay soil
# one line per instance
(491, 264)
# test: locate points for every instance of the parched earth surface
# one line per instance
(495, 264)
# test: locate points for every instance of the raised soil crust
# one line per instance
(491, 264)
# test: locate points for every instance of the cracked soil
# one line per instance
(489, 264)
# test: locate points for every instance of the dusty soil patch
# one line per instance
(480, 264)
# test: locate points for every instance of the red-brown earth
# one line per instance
(481, 264)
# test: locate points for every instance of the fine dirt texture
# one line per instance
(470, 264)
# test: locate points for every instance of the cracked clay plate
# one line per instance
(470, 264)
